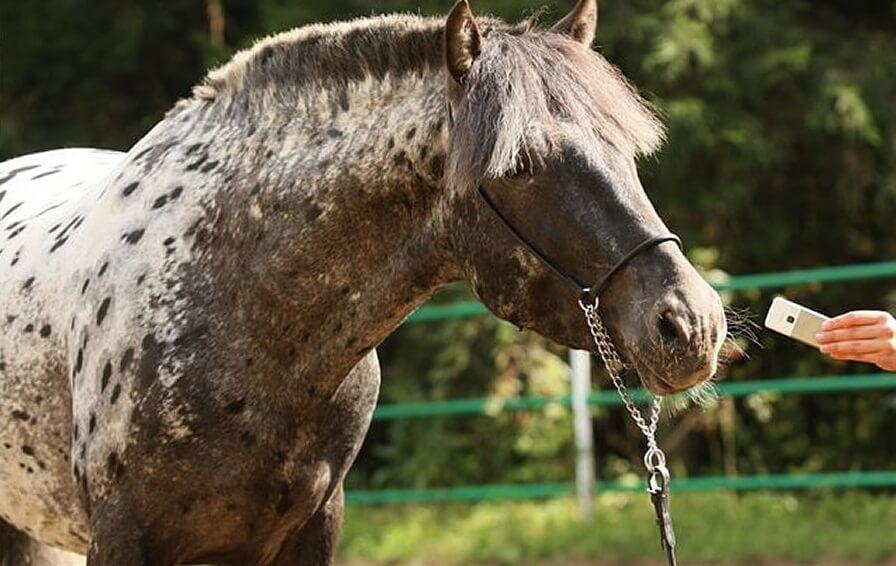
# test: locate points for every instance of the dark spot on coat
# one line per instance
(134, 236)
(160, 202)
(91, 426)
(236, 407)
(46, 330)
(15, 172)
(116, 391)
(103, 310)
(437, 166)
(11, 210)
(411, 133)
(58, 244)
(29, 328)
(84, 287)
(20, 415)
(209, 166)
(191, 336)
(15, 232)
(107, 373)
(79, 361)
(176, 193)
(313, 212)
(103, 269)
(196, 164)
(144, 152)
(28, 450)
(150, 359)
(28, 283)
(126, 359)
(47, 174)
(114, 465)
(285, 502)
(130, 189)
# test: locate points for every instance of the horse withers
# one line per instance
(187, 363)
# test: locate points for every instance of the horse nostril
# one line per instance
(671, 329)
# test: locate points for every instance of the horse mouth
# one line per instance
(659, 384)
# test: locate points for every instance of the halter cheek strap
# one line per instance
(587, 293)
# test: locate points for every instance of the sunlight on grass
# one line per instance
(850, 528)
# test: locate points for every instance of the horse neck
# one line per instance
(346, 200)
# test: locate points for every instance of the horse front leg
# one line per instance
(315, 543)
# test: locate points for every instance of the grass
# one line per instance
(713, 528)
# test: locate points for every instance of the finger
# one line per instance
(856, 318)
(865, 358)
(882, 361)
(854, 347)
(853, 333)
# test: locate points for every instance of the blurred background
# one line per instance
(781, 156)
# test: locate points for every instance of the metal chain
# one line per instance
(615, 366)
(654, 458)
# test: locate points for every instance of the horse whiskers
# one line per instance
(742, 325)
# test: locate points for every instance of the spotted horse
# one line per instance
(187, 358)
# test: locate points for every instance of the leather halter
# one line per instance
(587, 293)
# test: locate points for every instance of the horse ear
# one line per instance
(463, 42)
(581, 23)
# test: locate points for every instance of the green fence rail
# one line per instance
(868, 479)
(776, 280)
(803, 385)
(484, 406)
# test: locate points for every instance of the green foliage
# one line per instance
(717, 528)
(781, 153)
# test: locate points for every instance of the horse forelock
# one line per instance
(524, 88)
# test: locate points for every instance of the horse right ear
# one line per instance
(463, 42)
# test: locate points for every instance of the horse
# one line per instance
(188, 358)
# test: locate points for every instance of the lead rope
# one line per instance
(654, 458)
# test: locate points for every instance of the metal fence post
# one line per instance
(580, 364)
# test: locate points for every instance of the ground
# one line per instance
(714, 529)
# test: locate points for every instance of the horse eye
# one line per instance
(519, 173)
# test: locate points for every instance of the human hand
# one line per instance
(861, 336)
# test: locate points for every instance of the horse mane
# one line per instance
(526, 84)
(349, 51)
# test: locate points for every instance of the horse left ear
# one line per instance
(581, 23)
(463, 42)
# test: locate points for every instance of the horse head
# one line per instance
(548, 132)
